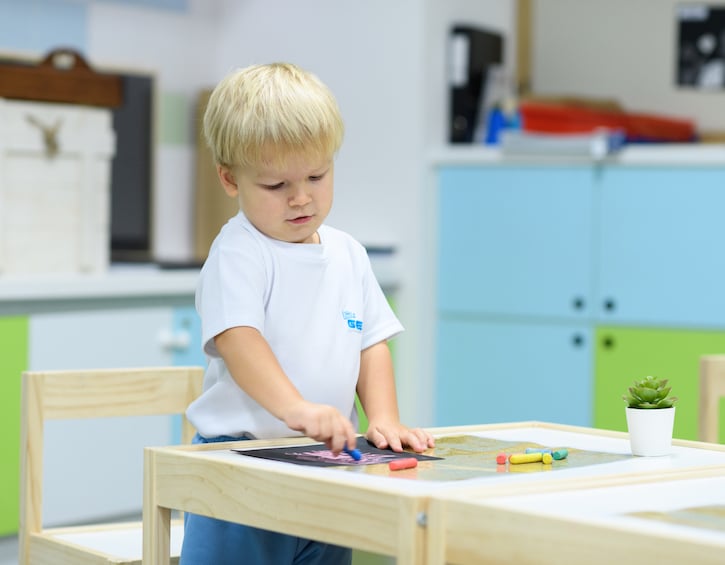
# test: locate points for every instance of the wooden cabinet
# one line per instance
(533, 257)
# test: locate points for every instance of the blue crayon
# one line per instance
(354, 453)
(560, 454)
(536, 450)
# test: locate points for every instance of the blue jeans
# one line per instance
(208, 541)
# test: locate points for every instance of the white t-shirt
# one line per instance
(318, 307)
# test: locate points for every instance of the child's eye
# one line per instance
(273, 186)
(315, 178)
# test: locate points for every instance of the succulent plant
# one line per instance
(650, 392)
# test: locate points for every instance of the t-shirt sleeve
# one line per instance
(231, 291)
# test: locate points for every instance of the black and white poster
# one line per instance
(701, 46)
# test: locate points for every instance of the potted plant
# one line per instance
(650, 416)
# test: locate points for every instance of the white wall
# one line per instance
(418, 298)
(179, 49)
(385, 62)
(622, 49)
(368, 53)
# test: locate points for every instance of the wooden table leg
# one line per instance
(156, 519)
(412, 533)
(435, 539)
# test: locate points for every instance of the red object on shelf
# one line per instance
(561, 118)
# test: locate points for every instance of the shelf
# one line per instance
(650, 154)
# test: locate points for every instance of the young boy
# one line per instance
(293, 321)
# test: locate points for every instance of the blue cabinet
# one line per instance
(502, 371)
(534, 258)
(662, 246)
(514, 294)
(515, 241)
(186, 326)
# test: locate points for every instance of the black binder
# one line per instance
(472, 52)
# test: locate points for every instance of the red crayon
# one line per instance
(399, 464)
(501, 458)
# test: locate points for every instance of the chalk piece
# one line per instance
(518, 458)
(546, 458)
(399, 464)
(501, 459)
(536, 450)
(559, 454)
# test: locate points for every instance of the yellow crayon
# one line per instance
(516, 458)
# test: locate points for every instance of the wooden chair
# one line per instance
(61, 395)
(712, 389)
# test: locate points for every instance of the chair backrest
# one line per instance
(712, 389)
(88, 393)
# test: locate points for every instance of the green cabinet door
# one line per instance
(625, 354)
(13, 361)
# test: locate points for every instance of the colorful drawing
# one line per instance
(317, 455)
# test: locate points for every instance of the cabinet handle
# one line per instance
(171, 341)
(608, 342)
(578, 303)
(577, 340)
(610, 305)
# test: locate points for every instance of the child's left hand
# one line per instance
(396, 436)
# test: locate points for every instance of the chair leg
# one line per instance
(712, 387)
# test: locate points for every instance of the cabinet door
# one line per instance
(515, 240)
(625, 354)
(185, 345)
(662, 246)
(128, 337)
(13, 361)
(186, 342)
(490, 371)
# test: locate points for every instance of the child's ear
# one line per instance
(228, 180)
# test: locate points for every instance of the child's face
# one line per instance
(287, 202)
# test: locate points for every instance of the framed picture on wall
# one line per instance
(701, 46)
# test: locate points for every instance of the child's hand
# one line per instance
(322, 423)
(396, 436)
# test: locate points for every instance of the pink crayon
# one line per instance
(398, 464)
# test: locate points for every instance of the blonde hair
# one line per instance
(265, 113)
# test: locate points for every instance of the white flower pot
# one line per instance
(650, 431)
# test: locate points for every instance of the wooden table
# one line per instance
(646, 520)
(408, 514)
(582, 516)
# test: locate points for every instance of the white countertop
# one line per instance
(133, 281)
(123, 282)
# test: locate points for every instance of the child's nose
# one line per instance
(300, 195)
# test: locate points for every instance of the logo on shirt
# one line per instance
(351, 320)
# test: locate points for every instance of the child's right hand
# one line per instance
(322, 423)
